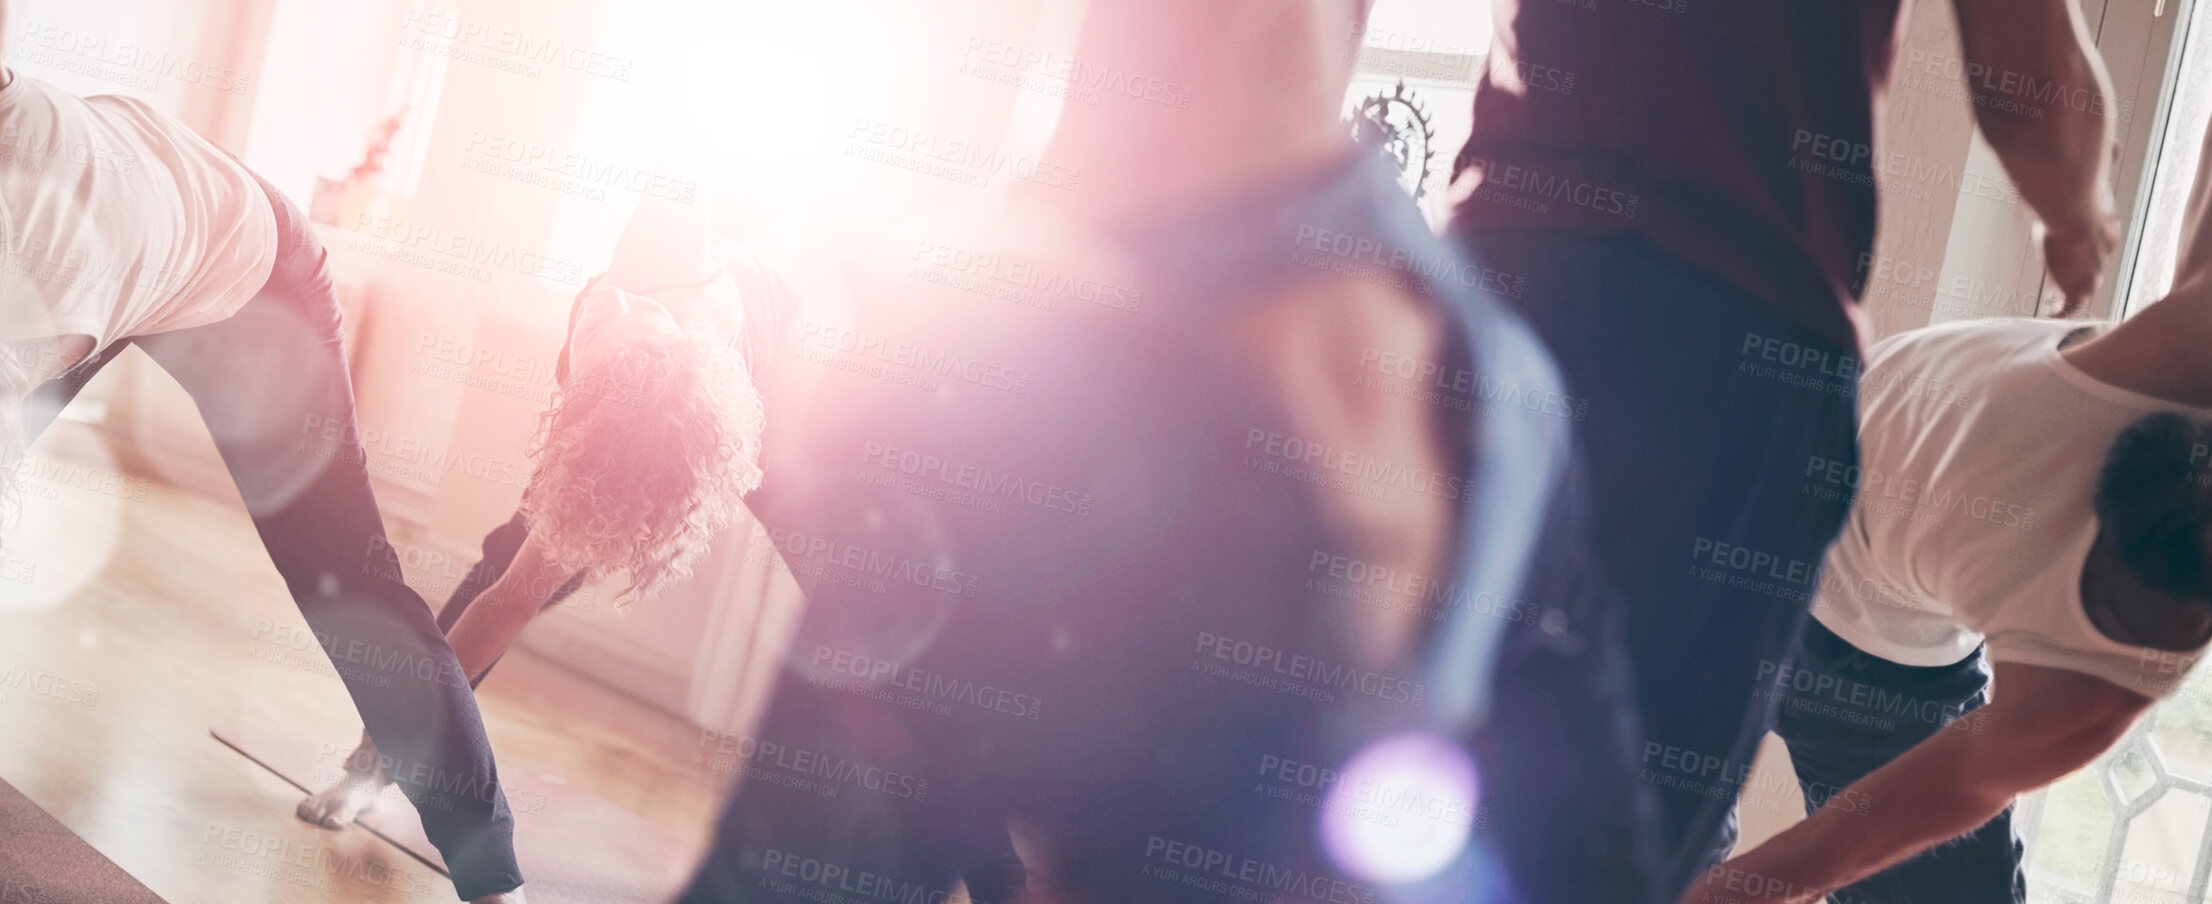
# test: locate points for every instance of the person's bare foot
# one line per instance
(505, 897)
(340, 804)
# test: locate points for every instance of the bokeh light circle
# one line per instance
(69, 521)
(1402, 810)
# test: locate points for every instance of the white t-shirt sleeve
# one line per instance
(2153, 673)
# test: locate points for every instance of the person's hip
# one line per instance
(300, 274)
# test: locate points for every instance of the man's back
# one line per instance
(1735, 134)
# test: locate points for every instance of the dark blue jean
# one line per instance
(272, 386)
(1846, 713)
(1704, 411)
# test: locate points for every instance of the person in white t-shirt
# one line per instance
(2027, 569)
(120, 227)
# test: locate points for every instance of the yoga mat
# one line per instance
(574, 846)
(42, 861)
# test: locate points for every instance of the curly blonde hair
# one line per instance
(641, 461)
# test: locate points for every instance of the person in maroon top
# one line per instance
(1685, 190)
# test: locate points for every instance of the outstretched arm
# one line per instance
(490, 625)
(2043, 725)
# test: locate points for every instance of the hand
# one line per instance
(505, 897)
(2076, 258)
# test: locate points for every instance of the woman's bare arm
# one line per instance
(492, 622)
(2043, 725)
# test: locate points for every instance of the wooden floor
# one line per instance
(108, 690)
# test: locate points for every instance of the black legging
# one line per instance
(272, 386)
(993, 878)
